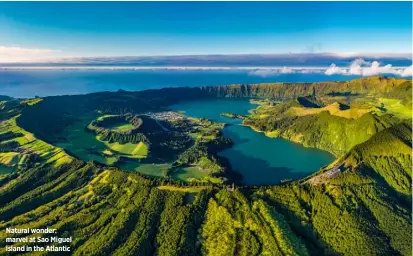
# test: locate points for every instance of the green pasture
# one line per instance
(188, 173)
(394, 106)
(121, 127)
(139, 150)
(153, 170)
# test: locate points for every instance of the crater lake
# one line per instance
(260, 159)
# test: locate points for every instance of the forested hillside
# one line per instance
(360, 204)
(359, 212)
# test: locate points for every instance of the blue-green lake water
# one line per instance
(261, 160)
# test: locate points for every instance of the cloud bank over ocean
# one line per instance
(264, 65)
(365, 68)
(359, 67)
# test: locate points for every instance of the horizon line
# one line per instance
(374, 55)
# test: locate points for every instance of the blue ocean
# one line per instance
(30, 83)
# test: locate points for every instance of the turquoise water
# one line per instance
(212, 109)
(261, 160)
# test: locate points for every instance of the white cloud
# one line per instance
(406, 71)
(13, 54)
(355, 66)
(286, 70)
(334, 70)
(364, 68)
(310, 71)
(266, 72)
(273, 71)
(376, 69)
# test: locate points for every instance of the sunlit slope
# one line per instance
(21, 149)
(327, 128)
(388, 153)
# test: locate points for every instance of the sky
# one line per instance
(31, 31)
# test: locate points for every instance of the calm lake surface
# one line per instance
(260, 159)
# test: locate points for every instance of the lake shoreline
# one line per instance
(261, 160)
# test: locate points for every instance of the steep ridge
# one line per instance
(376, 85)
(385, 152)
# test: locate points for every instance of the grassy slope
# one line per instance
(188, 173)
(139, 150)
(122, 127)
(319, 129)
(332, 109)
(29, 148)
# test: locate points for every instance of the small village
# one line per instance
(166, 115)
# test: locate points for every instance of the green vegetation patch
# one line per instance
(88, 146)
(4, 169)
(189, 174)
(152, 170)
(139, 150)
(395, 106)
(121, 127)
(182, 189)
(20, 149)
